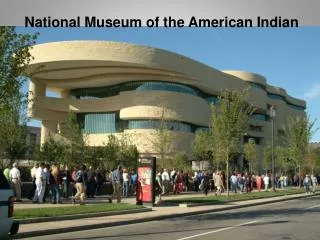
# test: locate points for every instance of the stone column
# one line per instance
(65, 94)
(48, 128)
(35, 90)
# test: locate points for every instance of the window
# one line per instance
(212, 100)
(246, 139)
(156, 124)
(203, 129)
(276, 96)
(296, 107)
(257, 86)
(259, 117)
(101, 122)
(255, 128)
(102, 92)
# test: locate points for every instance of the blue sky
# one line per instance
(289, 58)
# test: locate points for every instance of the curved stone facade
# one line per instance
(119, 87)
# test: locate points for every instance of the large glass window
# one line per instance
(296, 107)
(259, 117)
(102, 92)
(276, 96)
(257, 86)
(101, 122)
(212, 100)
(156, 124)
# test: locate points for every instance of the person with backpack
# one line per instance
(80, 180)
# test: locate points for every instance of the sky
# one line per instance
(288, 58)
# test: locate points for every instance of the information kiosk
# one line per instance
(146, 173)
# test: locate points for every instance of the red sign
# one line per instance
(145, 184)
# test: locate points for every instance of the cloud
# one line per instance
(313, 93)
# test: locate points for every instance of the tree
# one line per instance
(251, 154)
(229, 123)
(312, 160)
(128, 154)
(53, 151)
(162, 139)
(14, 59)
(74, 140)
(298, 135)
(282, 157)
(202, 151)
(267, 156)
(119, 150)
(180, 161)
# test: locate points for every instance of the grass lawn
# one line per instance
(70, 210)
(212, 199)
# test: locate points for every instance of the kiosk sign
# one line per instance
(146, 178)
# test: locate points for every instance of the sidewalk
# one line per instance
(157, 213)
(26, 203)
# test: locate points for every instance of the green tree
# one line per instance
(267, 156)
(229, 123)
(14, 59)
(251, 154)
(201, 147)
(110, 153)
(52, 151)
(298, 135)
(312, 160)
(162, 139)
(74, 140)
(282, 159)
(180, 161)
(128, 152)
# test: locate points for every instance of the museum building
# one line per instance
(117, 88)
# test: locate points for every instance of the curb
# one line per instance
(147, 219)
(82, 215)
(188, 205)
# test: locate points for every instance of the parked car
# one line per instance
(8, 225)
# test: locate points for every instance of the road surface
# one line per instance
(296, 219)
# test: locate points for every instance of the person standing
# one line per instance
(33, 178)
(266, 180)
(46, 182)
(67, 179)
(117, 180)
(134, 181)
(80, 185)
(206, 183)
(91, 186)
(158, 186)
(307, 183)
(234, 182)
(100, 181)
(55, 184)
(218, 183)
(125, 187)
(40, 178)
(314, 183)
(165, 181)
(15, 179)
(259, 182)
(6, 173)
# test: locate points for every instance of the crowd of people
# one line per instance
(52, 183)
(239, 182)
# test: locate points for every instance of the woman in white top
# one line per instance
(126, 178)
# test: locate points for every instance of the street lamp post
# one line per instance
(273, 115)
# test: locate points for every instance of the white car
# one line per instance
(8, 225)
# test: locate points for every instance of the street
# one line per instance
(296, 219)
